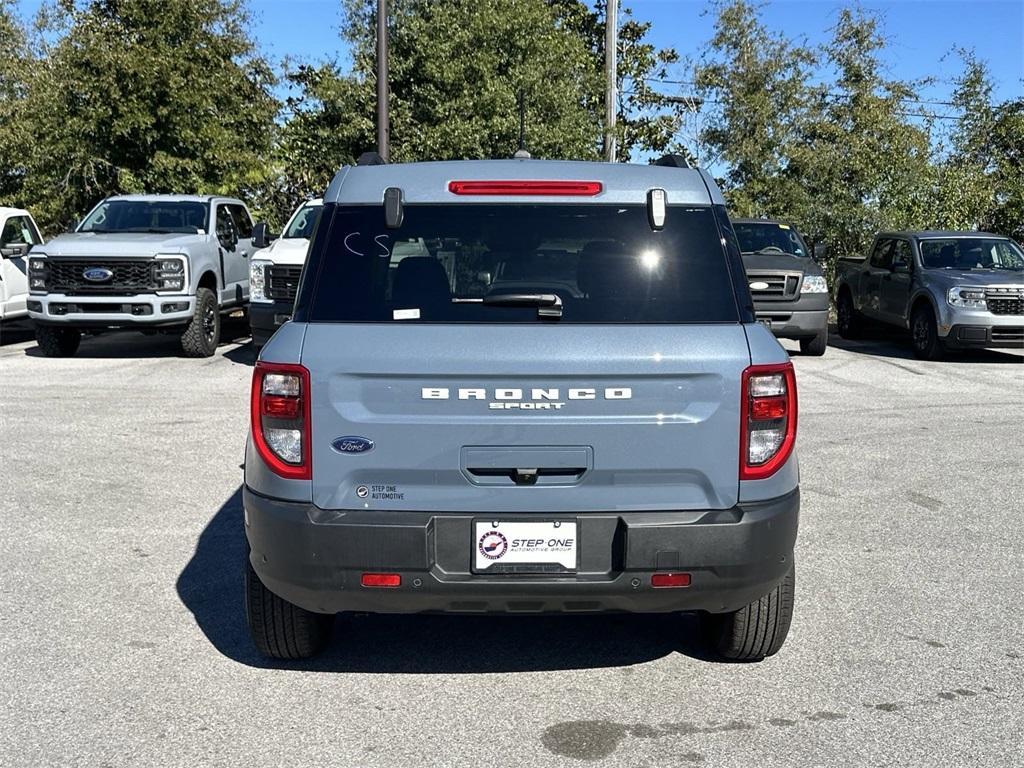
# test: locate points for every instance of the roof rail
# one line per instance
(673, 161)
(370, 158)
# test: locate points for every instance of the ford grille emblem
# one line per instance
(352, 444)
(759, 286)
(98, 274)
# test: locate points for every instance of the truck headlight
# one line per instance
(37, 270)
(170, 273)
(967, 297)
(814, 284)
(258, 280)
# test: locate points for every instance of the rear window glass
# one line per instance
(769, 237)
(603, 262)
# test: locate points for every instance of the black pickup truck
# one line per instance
(788, 287)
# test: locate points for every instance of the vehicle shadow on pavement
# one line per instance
(133, 344)
(879, 344)
(15, 332)
(210, 586)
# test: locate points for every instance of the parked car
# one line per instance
(951, 290)
(18, 233)
(423, 440)
(275, 269)
(167, 263)
(789, 289)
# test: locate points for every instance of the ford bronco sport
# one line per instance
(603, 428)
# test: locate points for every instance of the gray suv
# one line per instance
(521, 387)
(951, 290)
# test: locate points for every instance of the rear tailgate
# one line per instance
(612, 417)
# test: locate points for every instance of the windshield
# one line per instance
(769, 237)
(303, 222)
(966, 253)
(451, 263)
(138, 216)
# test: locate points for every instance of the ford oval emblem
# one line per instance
(759, 286)
(352, 444)
(98, 274)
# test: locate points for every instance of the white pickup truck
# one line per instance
(275, 269)
(18, 233)
(153, 263)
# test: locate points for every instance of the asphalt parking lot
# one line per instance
(123, 640)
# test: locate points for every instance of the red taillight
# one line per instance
(661, 580)
(280, 416)
(513, 188)
(768, 413)
(381, 580)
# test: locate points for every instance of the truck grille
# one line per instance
(1005, 301)
(774, 286)
(283, 282)
(129, 276)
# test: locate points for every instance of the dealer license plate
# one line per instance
(524, 544)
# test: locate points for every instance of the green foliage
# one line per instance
(144, 95)
(760, 82)
(855, 152)
(13, 63)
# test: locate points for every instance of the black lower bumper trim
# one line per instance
(981, 336)
(314, 558)
(265, 319)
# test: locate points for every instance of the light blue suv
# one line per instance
(520, 387)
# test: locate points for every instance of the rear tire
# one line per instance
(817, 345)
(202, 335)
(925, 334)
(757, 630)
(58, 342)
(848, 321)
(278, 628)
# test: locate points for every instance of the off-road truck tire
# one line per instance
(279, 629)
(760, 628)
(58, 342)
(202, 335)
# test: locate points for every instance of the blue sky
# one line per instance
(921, 32)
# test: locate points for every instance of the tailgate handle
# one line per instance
(527, 475)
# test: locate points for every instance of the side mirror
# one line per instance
(14, 250)
(901, 267)
(820, 253)
(484, 277)
(261, 236)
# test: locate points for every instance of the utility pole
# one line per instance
(611, 99)
(383, 128)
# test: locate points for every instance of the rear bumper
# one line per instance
(985, 336)
(314, 558)
(266, 318)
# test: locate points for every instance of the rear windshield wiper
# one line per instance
(548, 304)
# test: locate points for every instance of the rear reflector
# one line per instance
(537, 188)
(670, 580)
(381, 580)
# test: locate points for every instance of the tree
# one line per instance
(863, 164)
(13, 65)
(759, 80)
(145, 96)
(1007, 147)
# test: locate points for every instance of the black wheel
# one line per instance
(58, 342)
(759, 629)
(202, 335)
(278, 628)
(925, 334)
(848, 320)
(817, 345)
